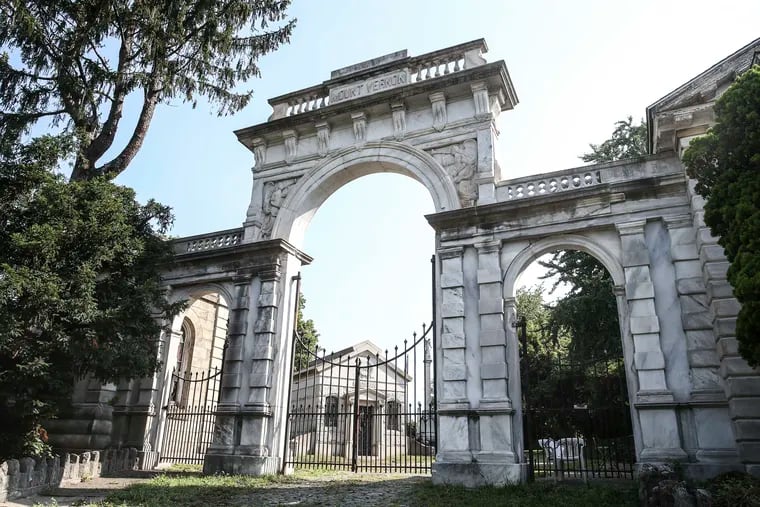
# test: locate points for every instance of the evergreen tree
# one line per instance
(75, 63)
(80, 288)
(726, 164)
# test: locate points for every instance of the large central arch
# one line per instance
(310, 191)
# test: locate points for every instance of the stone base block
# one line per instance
(475, 475)
(705, 471)
(147, 460)
(233, 464)
(753, 469)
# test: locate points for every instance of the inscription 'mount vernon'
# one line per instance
(369, 86)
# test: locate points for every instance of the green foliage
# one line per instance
(308, 336)
(627, 141)
(588, 313)
(726, 164)
(75, 63)
(79, 285)
(735, 490)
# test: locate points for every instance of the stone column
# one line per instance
(742, 383)
(495, 410)
(227, 429)
(453, 404)
(654, 401)
(709, 407)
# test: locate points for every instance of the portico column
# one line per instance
(654, 400)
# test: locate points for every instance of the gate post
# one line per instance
(249, 433)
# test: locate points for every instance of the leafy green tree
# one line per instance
(726, 164)
(306, 341)
(588, 312)
(75, 63)
(627, 141)
(544, 339)
(79, 286)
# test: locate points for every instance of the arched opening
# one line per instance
(193, 358)
(367, 290)
(575, 403)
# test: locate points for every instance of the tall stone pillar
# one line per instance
(249, 436)
(654, 400)
(87, 423)
(475, 412)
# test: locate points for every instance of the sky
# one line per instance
(577, 68)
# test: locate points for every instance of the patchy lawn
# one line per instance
(320, 488)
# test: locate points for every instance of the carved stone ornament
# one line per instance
(259, 152)
(360, 127)
(438, 101)
(461, 162)
(275, 193)
(480, 98)
(323, 138)
(291, 145)
(399, 120)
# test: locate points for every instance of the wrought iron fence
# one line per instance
(576, 417)
(363, 409)
(190, 413)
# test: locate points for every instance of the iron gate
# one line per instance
(190, 413)
(576, 416)
(363, 409)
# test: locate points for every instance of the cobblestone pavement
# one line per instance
(334, 489)
(344, 489)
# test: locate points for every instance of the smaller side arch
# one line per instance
(562, 242)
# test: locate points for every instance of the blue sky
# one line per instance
(577, 67)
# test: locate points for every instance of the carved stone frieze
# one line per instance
(461, 162)
(275, 193)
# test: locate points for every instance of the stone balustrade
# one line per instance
(550, 183)
(205, 242)
(420, 68)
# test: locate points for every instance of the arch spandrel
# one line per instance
(311, 190)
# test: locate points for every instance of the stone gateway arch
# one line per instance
(432, 118)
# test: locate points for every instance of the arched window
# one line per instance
(331, 411)
(394, 408)
(182, 364)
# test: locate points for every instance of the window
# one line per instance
(394, 408)
(331, 411)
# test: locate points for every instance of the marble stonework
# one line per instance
(433, 118)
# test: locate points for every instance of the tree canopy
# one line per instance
(627, 141)
(79, 285)
(726, 165)
(308, 336)
(75, 63)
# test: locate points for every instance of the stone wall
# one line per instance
(27, 476)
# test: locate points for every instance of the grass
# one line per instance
(529, 495)
(336, 488)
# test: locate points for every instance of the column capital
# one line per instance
(630, 228)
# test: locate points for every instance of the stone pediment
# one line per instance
(687, 111)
